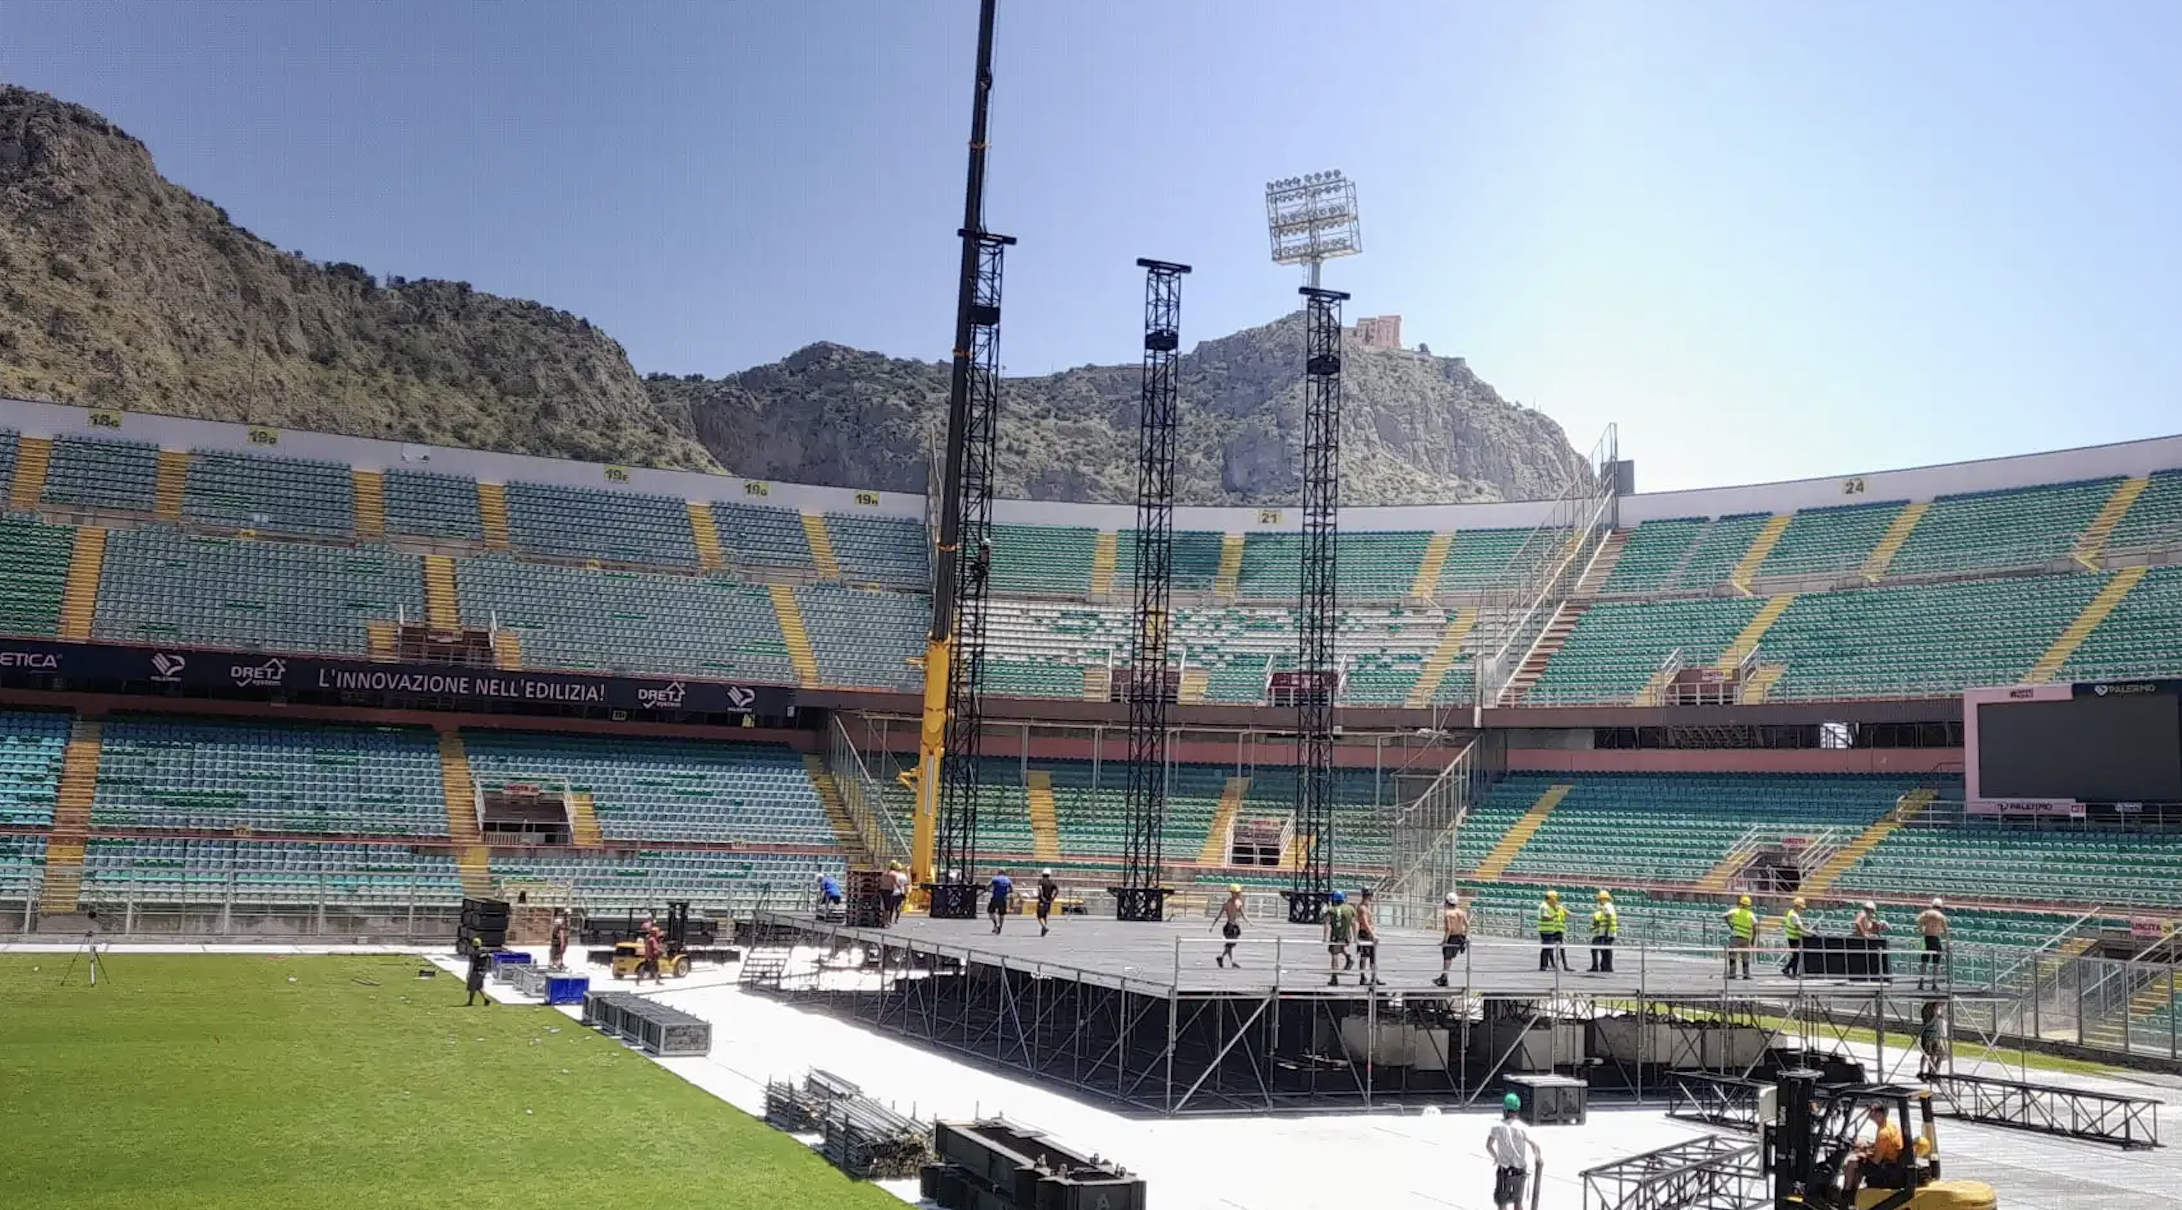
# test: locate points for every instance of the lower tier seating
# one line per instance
(688, 791)
(269, 777)
(117, 869)
(716, 884)
(32, 748)
(22, 866)
(2067, 867)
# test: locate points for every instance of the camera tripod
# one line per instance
(88, 952)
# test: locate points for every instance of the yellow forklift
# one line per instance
(674, 954)
(1810, 1148)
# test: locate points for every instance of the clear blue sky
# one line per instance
(1768, 240)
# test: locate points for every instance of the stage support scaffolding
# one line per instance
(1318, 611)
(1141, 896)
(944, 852)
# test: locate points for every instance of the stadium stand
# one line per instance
(90, 473)
(1196, 560)
(714, 882)
(33, 574)
(164, 586)
(1374, 566)
(755, 536)
(1048, 560)
(427, 505)
(32, 746)
(274, 495)
(1477, 558)
(1617, 647)
(626, 621)
(664, 790)
(1830, 542)
(2155, 519)
(2141, 637)
(1973, 858)
(612, 527)
(2018, 527)
(10, 449)
(22, 862)
(269, 777)
(879, 551)
(189, 871)
(865, 638)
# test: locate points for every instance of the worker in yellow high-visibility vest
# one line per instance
(1552, 933)
(1742, 935)
(1605, 926)
(1795, 930)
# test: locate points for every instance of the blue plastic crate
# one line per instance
(566, 989)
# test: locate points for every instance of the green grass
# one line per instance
(201, 1081)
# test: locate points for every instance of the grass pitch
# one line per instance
(194, 1082)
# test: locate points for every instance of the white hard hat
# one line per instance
(1453, 899)
(1045, 873)
(1869, 906)
(1936, 902)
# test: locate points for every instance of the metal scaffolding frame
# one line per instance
(1318, 607)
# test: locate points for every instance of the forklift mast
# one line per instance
(677, 925)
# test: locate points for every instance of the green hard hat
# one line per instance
(1511, 1102)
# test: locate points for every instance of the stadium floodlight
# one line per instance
(1312, 219)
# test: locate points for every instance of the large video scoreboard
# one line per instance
(2056, 749)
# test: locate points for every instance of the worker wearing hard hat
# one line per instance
(1932, 922)
(1230, 920)
(1455, 935)
(1605, 926)
(1048, 892)
(1742, 935)
(1552, 933)
(1796, 930)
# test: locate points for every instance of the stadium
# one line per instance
(395, 823)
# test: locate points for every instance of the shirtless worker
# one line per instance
(1933, 923)
(1869, 927)
(1455, 939)
(1230, 920)
(1367, 939)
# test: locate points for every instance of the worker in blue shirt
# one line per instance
(829, 891)
(1003, 887)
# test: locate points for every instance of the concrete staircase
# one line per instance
(1215, 849)
(709, 555)
(32, 456)
(1045, 822)
(820, 540)
(1890, 543)
(370, 491)
(1753, 631)
(79, 596)
(492, 510)
(2092, 542)
(583, 821)
(459, 791)
(1911, 806)
(1427, 584)
(1722, 874)
(507, 649)
(1192, 689)
(1761, 681)
(1541, 653)
(1746, 568)
(793, 632)
(1603, 563)
(173, 475)
(1098, 683)
(383, 639)
(1519, 833)
(1103, 557)
(1231, 567)
(837, 811)
(2094, 612)
(1443, 655)
(442, 610)
(63, 885)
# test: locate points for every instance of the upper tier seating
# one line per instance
(358, 781)
(674, 790)
(865, 638)
(1045, 559)
(721, 885)
(2155, 520)
(33, 573)
(627, 621)
(91, 473)
(613, 527)
(169, 870)
(2142, 637)
(1478, 558)
(2019, 527)
(275, 495)
(1196, 559)
(1617, 646)
(760, 536)
(1685, 554)
(10, 444)
(428, 505)
(1832, 542)
(1987, 860)
(32, 748)
(1373, 566)
(1883, 642)
(160, 586)
(884, 551)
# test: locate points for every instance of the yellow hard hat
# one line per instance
(1743, 902)
(1799, 901)
(1234, 888)
(1603, 896)
(1553, 894)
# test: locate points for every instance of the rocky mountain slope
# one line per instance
(121, 289)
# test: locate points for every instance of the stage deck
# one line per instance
(1177, 958)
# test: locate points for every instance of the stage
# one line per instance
(1141, 1014)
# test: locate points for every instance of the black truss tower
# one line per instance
(1140, 895)
(1317, 673)
(955, 846)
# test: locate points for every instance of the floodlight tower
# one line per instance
(1312, 219)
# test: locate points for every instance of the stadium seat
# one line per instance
(90, 473)
(612, 527)
(163, 586)
(32, 747)
(269, 777)
(33, 573)
(1831, 542)
(627, 621)
(664, 790)
(227, 491)
(2018, 527)
(428, 505)
(884, 552)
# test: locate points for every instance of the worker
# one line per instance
(1878, 1161)
(1340, 926)
(829, 891)
(1931, 1042)
(1871, 928)
(1230, 920)
(1367, 940)
(1932, 922)
(1793, 927)
(480, 963)
(1003, 888)
(1514, 1154)
(557, 942)
(652, 950)
(1742, 935)
(1552, 933)
(1048, 891)
(1454, 935)
(1605, 926)
(892, 890)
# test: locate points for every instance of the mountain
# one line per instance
(119, 288)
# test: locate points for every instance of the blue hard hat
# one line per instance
(1338, 897)
(1511, 1102)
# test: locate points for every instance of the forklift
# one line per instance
(1808, 1147)
(674, 955)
